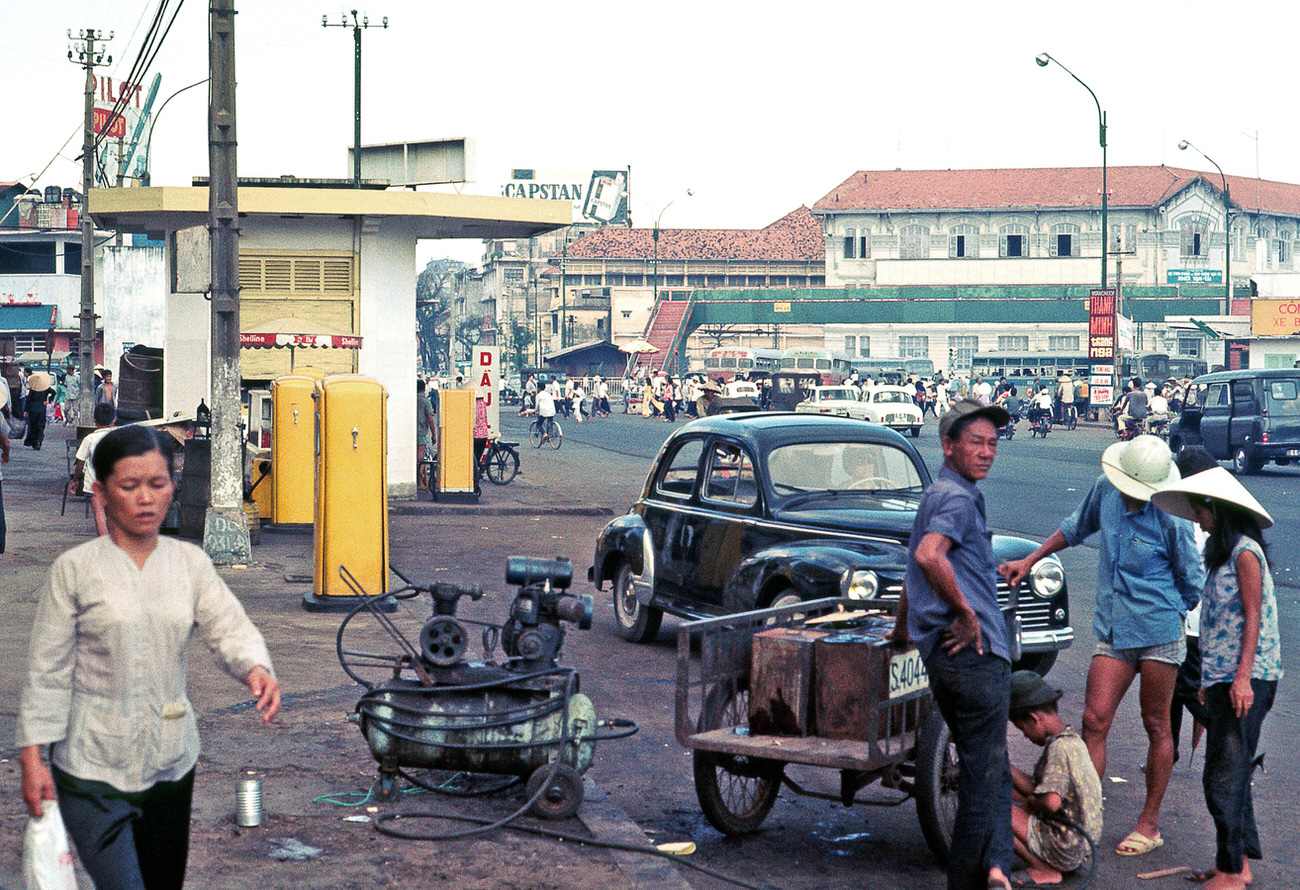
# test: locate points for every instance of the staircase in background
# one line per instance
(666, 332)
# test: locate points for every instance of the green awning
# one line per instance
(1205, 328)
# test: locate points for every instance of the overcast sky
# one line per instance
(758, 109)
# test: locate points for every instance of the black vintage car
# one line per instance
(749, 511)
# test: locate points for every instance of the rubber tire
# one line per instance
(1038, 662)
(936, 784)
(563, 796)
(636, 623)
(784, 597)
(503, 466)
(557, 436)
(535, 434)
(1243, 464)
(752, 784)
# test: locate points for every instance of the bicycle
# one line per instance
(500, 462)
(537, 437)
(1071, 416)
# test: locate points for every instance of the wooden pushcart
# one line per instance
(906, 748)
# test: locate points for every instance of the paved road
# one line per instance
(812, 843)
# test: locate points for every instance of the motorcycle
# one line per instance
(1008, 432)
(1041, 425)
(1157, 425)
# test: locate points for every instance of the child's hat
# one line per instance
(1030, 691)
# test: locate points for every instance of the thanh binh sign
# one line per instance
(1275, 317)
(1101, 324)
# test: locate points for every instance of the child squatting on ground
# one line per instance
(1064, 783)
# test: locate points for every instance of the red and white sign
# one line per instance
(487, 384)
(268, 341)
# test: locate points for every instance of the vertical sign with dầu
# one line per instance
(487, 384)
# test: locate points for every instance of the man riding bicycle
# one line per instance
(546, 411)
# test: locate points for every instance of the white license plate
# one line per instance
(1293, 452)
(907, 674)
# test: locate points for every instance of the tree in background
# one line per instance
(433, 312)
(467, 335)
(519, 343)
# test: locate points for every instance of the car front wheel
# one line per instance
(1243, 462)
(636, 623)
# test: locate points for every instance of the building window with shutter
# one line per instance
(850, 242)
(864, 244)
(1192, 237)
(1013, 241)
(1065, 240)
(963, 241)
(914, 242)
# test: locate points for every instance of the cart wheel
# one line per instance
(562, 797)
(735, 792)
(936, 784)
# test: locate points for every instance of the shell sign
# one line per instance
(1275, 317)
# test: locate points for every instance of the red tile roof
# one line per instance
(1041, 188)
(795, 236)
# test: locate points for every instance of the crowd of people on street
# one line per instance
(1152, 571)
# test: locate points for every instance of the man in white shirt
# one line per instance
(105, 418)
(546, 410)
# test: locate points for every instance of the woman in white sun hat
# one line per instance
(1241, 658)
(1148, 575)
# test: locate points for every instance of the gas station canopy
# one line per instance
(156, 210)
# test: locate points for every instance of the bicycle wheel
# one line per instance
(535, 434)
(502, 466)
(557, 436)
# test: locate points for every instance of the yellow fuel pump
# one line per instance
(293, 444)
(456, 445)
(351, 514)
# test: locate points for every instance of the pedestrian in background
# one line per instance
(106, 676)
(40, 392)
(1241, 658)
(950, 610)
(1148, 575)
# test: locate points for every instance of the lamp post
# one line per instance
(148, 139)
(357, 25)
(1227, 225)
(1043, 59)
(655, 235)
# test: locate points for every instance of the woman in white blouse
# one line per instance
(105, 686)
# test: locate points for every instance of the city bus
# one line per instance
(1047, 365)
(728, 362)
(893, 370)
(834, 367)
(1160, 366)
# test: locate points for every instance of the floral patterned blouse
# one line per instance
(1223, 622)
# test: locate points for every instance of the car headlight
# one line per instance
(861, 584)
(1047, 578)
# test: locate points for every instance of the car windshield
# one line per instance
(841, 466)
(891, 395)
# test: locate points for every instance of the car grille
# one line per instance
(1035, 613)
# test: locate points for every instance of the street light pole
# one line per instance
(356, 25)
(1043, 59)
(655, 235)
(148, 139)
(1227, 226)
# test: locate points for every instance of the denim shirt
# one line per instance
(1149, 570)
(954, 507)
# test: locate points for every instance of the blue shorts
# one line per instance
(1168, 653)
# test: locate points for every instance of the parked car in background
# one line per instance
(1249, 417)
(841, 401)
(741, 389)
(894, 407)
(748, 511)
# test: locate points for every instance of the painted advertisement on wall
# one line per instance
(598, 196)
(487, 384)
(121, 135)
(1274, 317)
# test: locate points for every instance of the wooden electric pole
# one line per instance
(225, 532)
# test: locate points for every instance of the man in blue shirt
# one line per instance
(950, 609)
(1149, 574)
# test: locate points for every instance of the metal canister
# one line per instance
(248, 803)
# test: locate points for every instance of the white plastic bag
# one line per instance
(47, 860)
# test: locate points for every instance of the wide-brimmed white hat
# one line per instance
(710, 386)
(40, 382)
(1215, 483)
(1140, 467)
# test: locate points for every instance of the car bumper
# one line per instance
(1052, 640)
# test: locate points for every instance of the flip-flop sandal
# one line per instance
(1138, 844)
(1199, 877)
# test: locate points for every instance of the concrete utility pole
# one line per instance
(357, 25)
(83, 52)
(225, 531)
